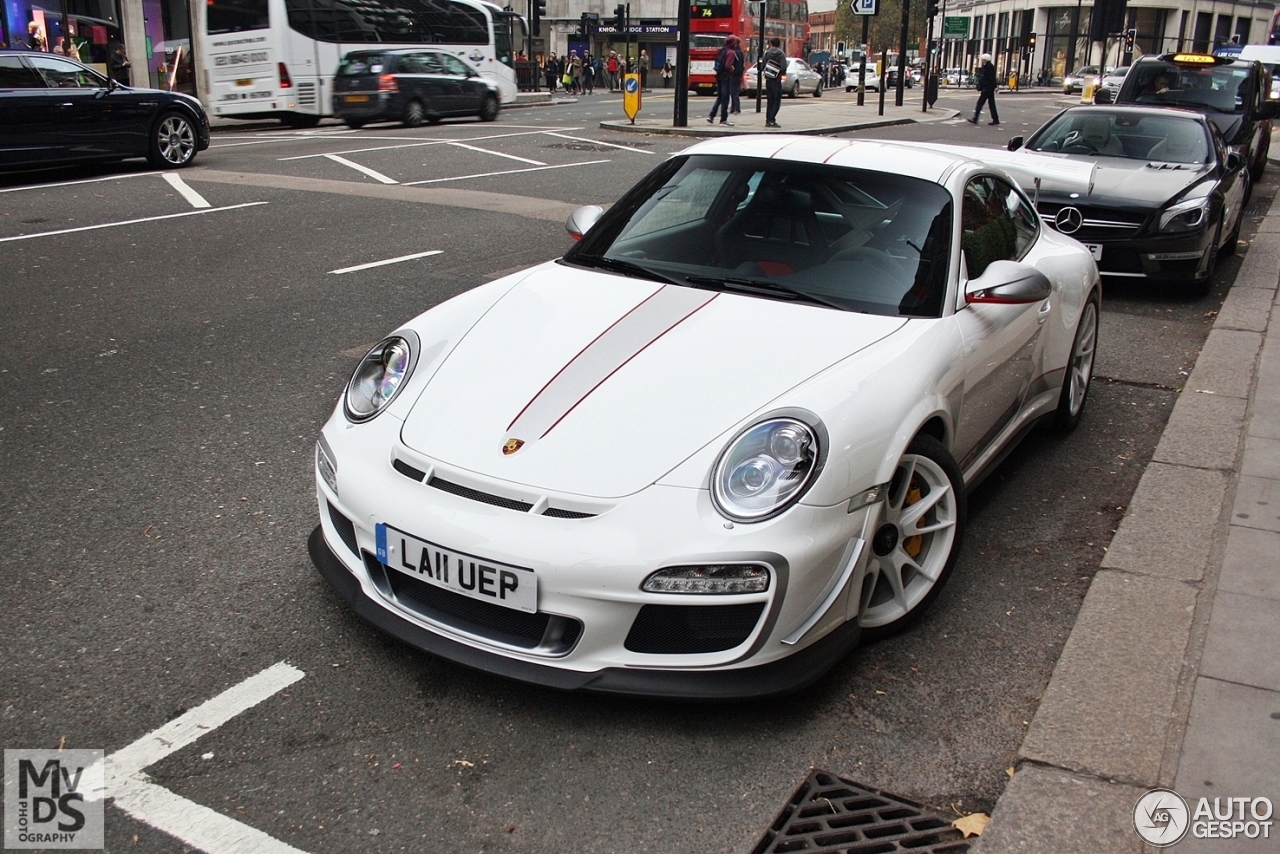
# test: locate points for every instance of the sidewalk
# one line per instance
(1171, 676)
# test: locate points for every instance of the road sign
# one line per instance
(864, 7)
(955, 28)
(631, 96)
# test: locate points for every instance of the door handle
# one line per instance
(1043, 313)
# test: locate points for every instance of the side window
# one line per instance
(453, 65)
(1025, 221)
(15, 75)
(60, 73)
(431, 63)
(989, 232)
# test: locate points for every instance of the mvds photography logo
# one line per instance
(53, 799)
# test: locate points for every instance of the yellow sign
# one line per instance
(631, 96)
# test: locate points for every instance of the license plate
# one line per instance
(356, 99)
(1095, 249)
(478, 578)
(246, 81)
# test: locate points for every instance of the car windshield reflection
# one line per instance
(1115, 133)
(844, 238)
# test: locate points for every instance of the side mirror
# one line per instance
(1235, 160)
(1103, 96)
(1015, 143)
(581, 220)
(1008, 283)
(1270, 110)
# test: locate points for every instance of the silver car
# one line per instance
(798, 79)
(1074, 82)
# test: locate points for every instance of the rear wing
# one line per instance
(1032, 171)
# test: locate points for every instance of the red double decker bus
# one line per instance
(713, 21)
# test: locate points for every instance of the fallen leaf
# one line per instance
(973, 824)
(464, 763)
(1009, 770)
(879, 693)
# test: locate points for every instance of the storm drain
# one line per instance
(831, 815)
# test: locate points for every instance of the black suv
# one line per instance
(1233, 93)
(409, 85)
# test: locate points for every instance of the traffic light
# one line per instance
(537, 10)
(932, 9)
(582, 26)
(1130, 36)
(1031, 43)
(620, 17)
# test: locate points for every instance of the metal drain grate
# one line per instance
(831, 815)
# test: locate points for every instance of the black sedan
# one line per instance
(54, 110)
(1167, 195)
(412, 86)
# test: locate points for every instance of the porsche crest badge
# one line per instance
(512, 446)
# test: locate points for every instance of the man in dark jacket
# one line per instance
(774, 58)
(986, 90)
(728, 73)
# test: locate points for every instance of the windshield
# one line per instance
(856, 240)
(1121, 133)
(1224, 88)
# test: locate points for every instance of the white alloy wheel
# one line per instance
(1075, 385)
(173, 143)
(915, 547)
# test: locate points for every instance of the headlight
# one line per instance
(766, 468)
(1186, 215)
(380, 376)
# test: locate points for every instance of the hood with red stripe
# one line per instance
(605, 383)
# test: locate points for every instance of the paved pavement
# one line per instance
(1171, 675)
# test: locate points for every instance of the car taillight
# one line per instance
(286, 82)
(387, 83)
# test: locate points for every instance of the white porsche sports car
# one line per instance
(729, 432)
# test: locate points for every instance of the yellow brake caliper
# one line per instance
(912, 545)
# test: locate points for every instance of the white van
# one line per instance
(1269, 56)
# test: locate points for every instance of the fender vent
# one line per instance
(831, 815)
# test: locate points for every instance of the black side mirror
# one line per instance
(1270, 109)
(1103, 96)
(1015, 143)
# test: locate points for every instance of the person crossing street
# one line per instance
(986, 90)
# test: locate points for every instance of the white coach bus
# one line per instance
(276, 58)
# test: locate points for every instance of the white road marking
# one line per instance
(74, 183)
(598, 142)
(128, 222)
(386, 262)
(377, 176)
(432, 142)
(496, 153)
(193, 824)
(196, 200)
(506, 172)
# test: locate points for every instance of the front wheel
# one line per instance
(915, 548)
(414, 114)
(354, 124)
(817, 91)
(1075, 385)
(795, 90)
(173, 142)
(489, 109)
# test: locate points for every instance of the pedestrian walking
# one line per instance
(611, 66)
(775, 61)
(119, 65)
(589, 74)
(644, 69)
(667, 71)
(986, 91)
(551, 70)
(736, 106)
(575, 72)
(728, 74)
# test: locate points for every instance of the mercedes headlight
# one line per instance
(766, 468)
(380, 376)
(1186, 215)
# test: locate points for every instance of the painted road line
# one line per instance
(377, 176)
(193, 824)
(128, 222)
(497, 153)
(507, 172)
(386, 262)
(429, 142)
(74, 183)
(598, 142)
(196, 200)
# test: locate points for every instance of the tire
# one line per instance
(910, 571)
(795, 90)
(354, 124)
(1075, 385)
(415, 115)
(173, 142)
(489, 109)
(1260, 166)
(1228, 248)
(817, 92)
(1200, 288)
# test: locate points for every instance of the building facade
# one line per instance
(653, 28)
(1044, 41)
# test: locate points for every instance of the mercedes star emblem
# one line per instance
(1069, 220)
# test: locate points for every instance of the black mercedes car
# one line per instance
(1234, 93)
(55, 110)
(1167, 193)
(409, 85)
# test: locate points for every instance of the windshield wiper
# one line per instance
(626, 268)
(766, 287)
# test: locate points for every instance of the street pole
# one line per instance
(862, 66)
(764, 4)
(928, 69)
(681, 117)
(902, 54)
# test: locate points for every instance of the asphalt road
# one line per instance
(163, 382)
